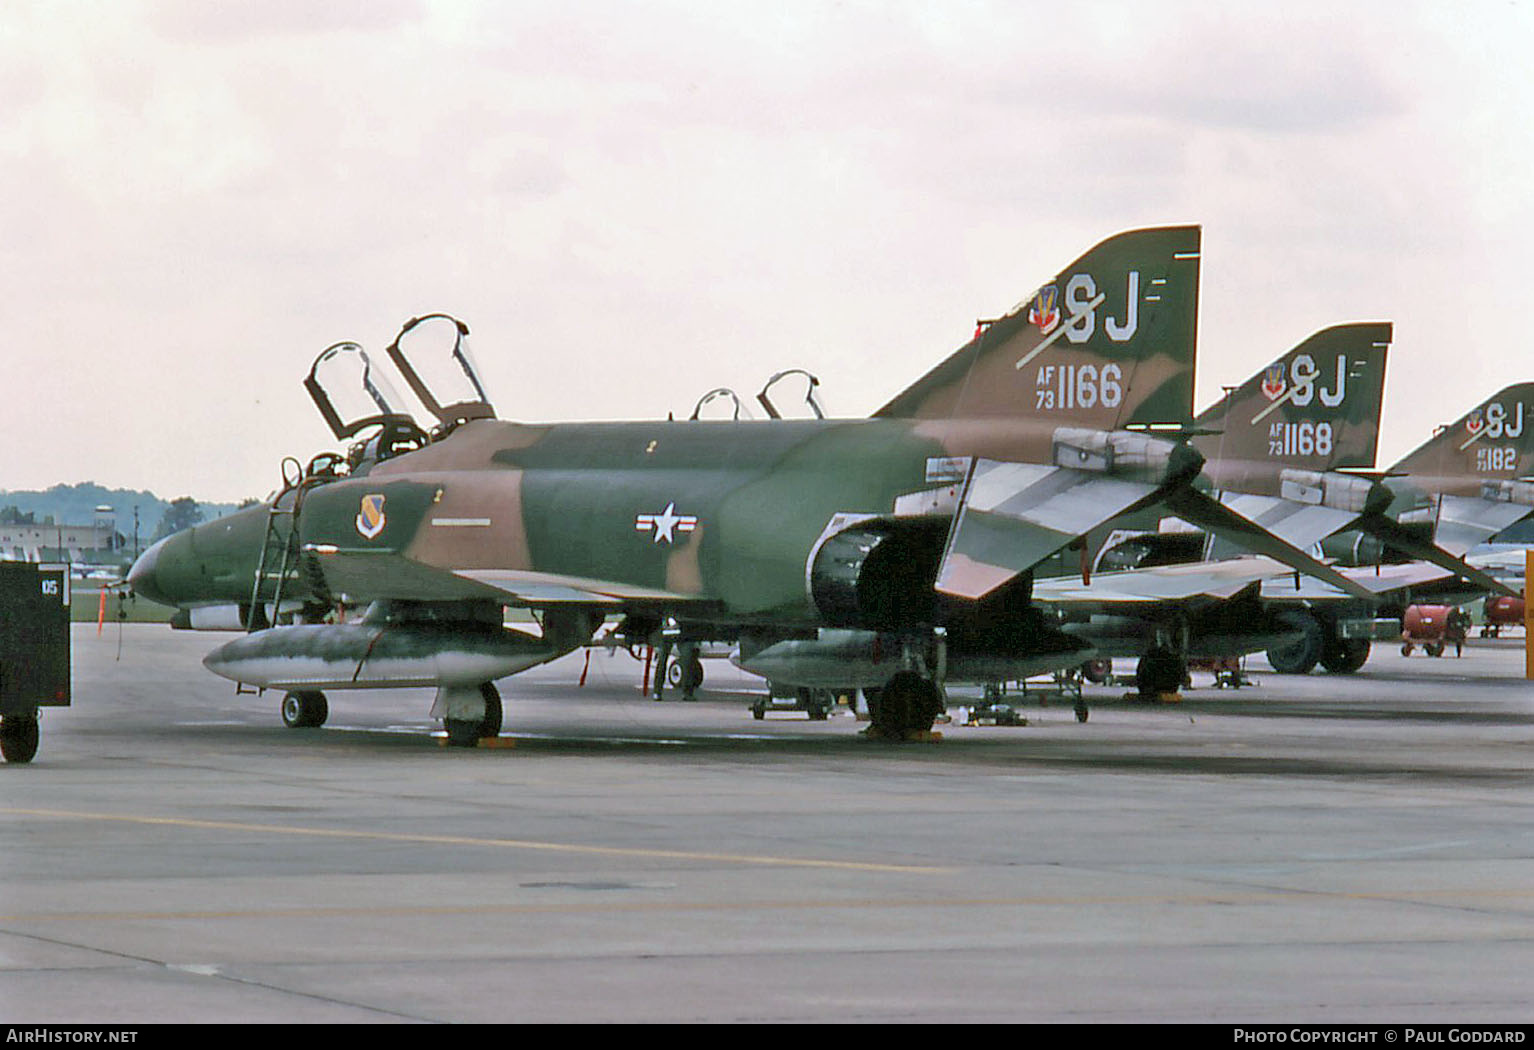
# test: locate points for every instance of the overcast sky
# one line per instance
(632, 203)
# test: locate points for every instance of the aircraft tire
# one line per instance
(1301, 655)
(1159, 671)
(461, 732)
(690, 676)
(491, 726)
(909, 703)
(1345, 655)
(19, 736)
(1097, 671)
(917, 700)
(815, 702)
(889, 718)
(306, 709)
(871, 698)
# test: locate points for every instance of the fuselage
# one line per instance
(719, 514)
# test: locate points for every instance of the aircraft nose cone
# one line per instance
(142, 576)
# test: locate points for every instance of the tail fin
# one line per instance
(1493, 442)
(1107, 343)
(1468, 478)
(1315, 408)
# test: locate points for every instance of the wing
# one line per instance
(1141, 590)
(523, 587)
(1380, 581)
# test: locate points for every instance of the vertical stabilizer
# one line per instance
(1469, 478)
(1106, 343)
(1492, 442)
(1316, 408)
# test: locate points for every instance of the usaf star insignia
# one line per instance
(666, 524)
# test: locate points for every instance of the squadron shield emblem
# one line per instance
(1044, 310)
(1475, 421)
(1273, 381)
(370, 518)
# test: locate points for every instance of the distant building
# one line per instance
(30, 542)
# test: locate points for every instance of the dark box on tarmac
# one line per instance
(34, 637)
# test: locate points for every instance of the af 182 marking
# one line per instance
(1078, 386)
(1504, 457)
(1300, 439)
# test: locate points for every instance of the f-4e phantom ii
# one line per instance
(1276, 448)
(892, 554)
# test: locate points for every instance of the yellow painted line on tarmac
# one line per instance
(465, 840)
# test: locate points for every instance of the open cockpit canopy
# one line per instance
(432, 353)
(353, 396)
(350, 392)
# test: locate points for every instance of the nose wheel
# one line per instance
(305, 710)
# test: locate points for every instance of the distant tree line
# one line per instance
(13, 515)
(182, 513)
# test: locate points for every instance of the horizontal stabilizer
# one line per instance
(1464, 521)
(1210, 514)
(1014, 515)
(1393, 534)
(1302, 525)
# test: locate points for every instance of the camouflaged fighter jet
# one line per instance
(1464, 485)
(891, 554)
(1276, 447)
(1447, 496)
(1469, 481)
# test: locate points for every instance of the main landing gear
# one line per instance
(682, 671)
(1160, 672)
(1316, 642)
(468, 732)
(905, 708)
(308, 709)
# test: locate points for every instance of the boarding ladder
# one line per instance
(280, 559)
